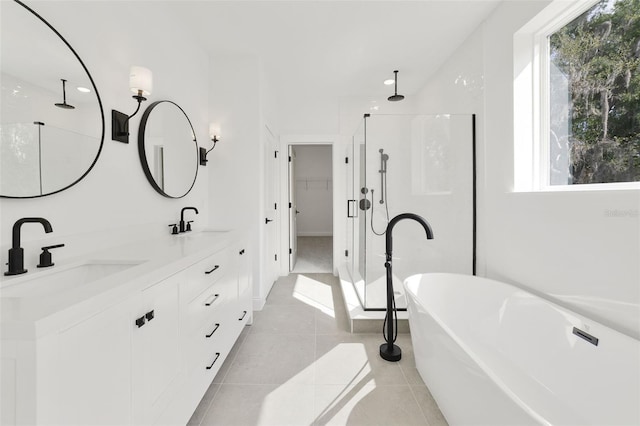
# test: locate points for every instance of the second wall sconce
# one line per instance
(140, 83)
(214, 132)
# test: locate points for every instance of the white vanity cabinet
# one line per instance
(245, 289)
(146, 357)
(156, 349)
(216, 305)
(81, 374)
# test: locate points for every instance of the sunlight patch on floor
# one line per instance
(314, 293)
(345, 378)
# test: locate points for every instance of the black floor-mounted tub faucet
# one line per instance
(388, 350)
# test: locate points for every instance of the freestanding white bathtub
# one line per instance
(493, 354)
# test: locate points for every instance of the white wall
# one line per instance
(579, 248)
(235, 165)
(563, 244)
(314, 190)
(115, 203)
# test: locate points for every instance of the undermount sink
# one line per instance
(203, 232)
(55, 281)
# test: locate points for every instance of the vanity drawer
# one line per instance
(213, 301)
(216, 336)
(206, 272)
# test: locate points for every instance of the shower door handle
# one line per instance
(351, 211)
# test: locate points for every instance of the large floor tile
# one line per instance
(408, 361)
(224, 369)
(314, 254)
(202, 408)
(351, 359)
(261, 405)
(298, 364)
(367, 404)
(273, 359)
(332, 323)
(428, 406)
(284, 319)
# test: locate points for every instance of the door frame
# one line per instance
(337, 176)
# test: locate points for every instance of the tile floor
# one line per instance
(314, 254)
(299, 365)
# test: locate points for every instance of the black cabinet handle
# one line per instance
(241, 252)
(209, 367)
(244, 314)
(267, 220)
(211, 299)
(140, 321)
(150, 315)
(214, 268)
(213, 331)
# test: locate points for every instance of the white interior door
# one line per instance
(270, 209)
(293, 210)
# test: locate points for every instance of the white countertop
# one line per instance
(29, 317)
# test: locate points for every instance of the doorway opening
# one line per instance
(310, 208)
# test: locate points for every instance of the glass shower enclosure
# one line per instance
(422, 164)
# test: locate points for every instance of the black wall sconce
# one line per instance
(214, 131)
(141, 83)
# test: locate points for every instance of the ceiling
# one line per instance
(337, 48)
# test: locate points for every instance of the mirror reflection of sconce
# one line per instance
(140, 83)
(214, 132)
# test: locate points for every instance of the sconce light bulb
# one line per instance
(140, 80)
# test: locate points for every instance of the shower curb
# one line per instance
(361, 321)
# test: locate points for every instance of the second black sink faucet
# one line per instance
(182, 222)
(16, 253)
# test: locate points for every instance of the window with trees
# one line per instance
(594, 96)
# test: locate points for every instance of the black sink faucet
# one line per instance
(182, 222)
(16, 253)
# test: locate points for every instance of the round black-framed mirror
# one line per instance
(51, 134)
(168, 149)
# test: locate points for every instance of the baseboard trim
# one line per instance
(258, 304)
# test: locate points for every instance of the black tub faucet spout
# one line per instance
(16, 253)
(183, 227)
(389, 351)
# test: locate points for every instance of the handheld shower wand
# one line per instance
(383, 189)
(383, 173)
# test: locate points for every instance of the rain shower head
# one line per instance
(64, 103)
(395, 97)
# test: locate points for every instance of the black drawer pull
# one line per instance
(150, 315)
(211, 299)
(244, 314)
(140, 321)
(209, 367)
(213, 331)
(214, 268)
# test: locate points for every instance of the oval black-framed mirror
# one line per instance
(52, 127)
(168, 149)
